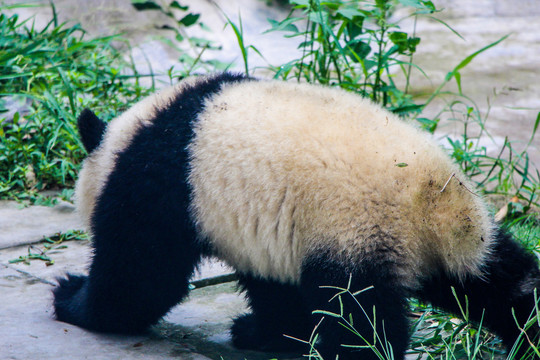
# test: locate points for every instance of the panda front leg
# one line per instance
(373, 323)
(278, 311)
(143, 258)
(128, 288)
(504, 295)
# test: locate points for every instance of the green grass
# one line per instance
(49, 75)
(354, 45)
(48, 246)
(441, 336)
(526, 228)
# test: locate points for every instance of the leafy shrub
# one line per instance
(354, 45)
(54, 73)
(191, 49)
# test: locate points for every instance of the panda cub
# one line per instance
(301, 189)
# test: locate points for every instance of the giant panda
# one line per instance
(303, 190)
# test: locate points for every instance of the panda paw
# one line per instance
(67, 287)
(247, 334)
(68, 302)
(244, 332)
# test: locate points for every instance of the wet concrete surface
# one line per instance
(17, 230)
(503, 81)
(196, 329)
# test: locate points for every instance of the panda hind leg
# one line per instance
(277, 310)
(503, 295)
(373, 321)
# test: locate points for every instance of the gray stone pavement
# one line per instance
(195, 329)
(17, 230)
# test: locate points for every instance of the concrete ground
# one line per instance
(197, 328)
(504, 81)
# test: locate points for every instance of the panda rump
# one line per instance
(294, 186)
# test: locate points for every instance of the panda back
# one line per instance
(282, 171)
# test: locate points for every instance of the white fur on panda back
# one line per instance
(281, 170)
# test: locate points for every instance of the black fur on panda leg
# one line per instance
(127, 292)
(512, 274)
(277, 310)
(382, 306)
(128, 289)
(144, 248)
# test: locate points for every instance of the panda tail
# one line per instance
(91, 129)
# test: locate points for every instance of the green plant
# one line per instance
(191, 48)
(354, 45)
(377, 342)
(435, 335)
(526, 228)
(48, 246)
(46, 77)
(239, 33)
(441, 336)
(509, 173)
